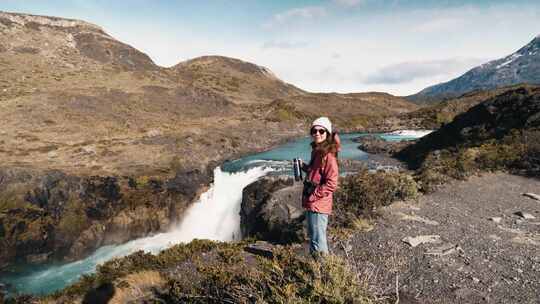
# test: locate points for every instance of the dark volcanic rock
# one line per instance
(272, 210)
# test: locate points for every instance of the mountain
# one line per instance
(522, 66)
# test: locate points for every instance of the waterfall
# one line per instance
(214, 216)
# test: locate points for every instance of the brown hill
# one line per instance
(240, 81)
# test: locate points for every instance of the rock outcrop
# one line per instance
(66, 217)
(272, 210)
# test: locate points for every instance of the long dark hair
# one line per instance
(329, 145)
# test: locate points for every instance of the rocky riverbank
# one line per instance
(50, 215)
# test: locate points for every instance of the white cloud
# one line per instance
(295, 14)
(348, 3)
(405, 72)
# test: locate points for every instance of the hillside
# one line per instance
(523, 66)
(500, 133)
(100, 145)
(237, 80)
(432, 117)
(74, 98)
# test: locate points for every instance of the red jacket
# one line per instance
(325, 169)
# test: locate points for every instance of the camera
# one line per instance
(309, 188)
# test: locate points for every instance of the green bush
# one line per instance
(513, 153)
(362, 193)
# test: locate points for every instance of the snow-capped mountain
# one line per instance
(522, 66)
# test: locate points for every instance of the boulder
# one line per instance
(532, 195)
(525, 215)
(261, 248)
(496, 219)
(272, 210)
(421, 239)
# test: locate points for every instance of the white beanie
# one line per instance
(323, 122)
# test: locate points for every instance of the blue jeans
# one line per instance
(317, 223)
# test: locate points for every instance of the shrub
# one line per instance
(286, 278)
(362, 193)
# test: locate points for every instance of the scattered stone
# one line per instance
(443, 250)
(417, 218)
(421, 239)
(525, 215)
(261, 248)
(494, 237)
(495, 219)
(532, 195)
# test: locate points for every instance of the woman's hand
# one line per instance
(303, 165)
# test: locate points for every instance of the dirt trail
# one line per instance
(472, 258)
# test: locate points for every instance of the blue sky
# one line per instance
(394, 46)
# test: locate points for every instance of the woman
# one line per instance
(320, 184)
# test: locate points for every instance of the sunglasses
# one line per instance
(315, 131)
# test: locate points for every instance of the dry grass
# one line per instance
(137, 286)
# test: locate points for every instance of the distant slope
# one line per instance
(522, 66)
(240, 81)
(349, 111)
(434, 116)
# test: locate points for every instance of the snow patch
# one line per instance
(509, 60)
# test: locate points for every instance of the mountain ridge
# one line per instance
(520, 67)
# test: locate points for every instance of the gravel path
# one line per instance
(471, 258)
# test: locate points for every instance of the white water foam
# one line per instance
(410, 133)
(215, 216)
